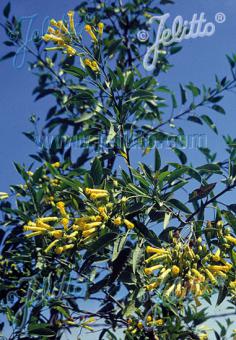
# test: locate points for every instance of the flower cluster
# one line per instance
(183, 268)
(92, 30)
(66, 232)
(137, 327)
(61, 35)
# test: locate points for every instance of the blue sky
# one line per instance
(198, 62)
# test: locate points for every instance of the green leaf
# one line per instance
(100, 244)
(157, 160)
(75, 71)
(8, 55)
(206, 168)
(137, 255)
(209, 122)
(84, 117)
(6, 10)
(181, 155)
(183, 94)
(179, 205)
(42, 329)
(218, 108)
(96, 171)
(195, 119)
(119, 245)
(166, 220)
(223, 291)
(111, 133)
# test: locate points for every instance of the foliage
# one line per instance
(149, 245)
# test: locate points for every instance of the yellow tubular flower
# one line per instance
(159, 322)
(94, 66)
(198, 275)
(128, 224)
(61, 206)
(89, 232)
(51, 30)
(92, 225)
(152, 286)
(62, 27)
(68, 246)
(53, 22)
(216, 257)
(164, 275)
(51, 37)
(233, 284)
(82, 220)
(140, 325)
(148, 271)
(219, 268)
(211, 276)
(159, 251)
(103, 212)
(41, 224)
(198, 291)
(117, 220)
(36, 233)
(175, 270)
(71, 21)
(169, 290)
(88, 29)
(89, 191)
(231, 239)
(51, 245)
(56, 165)
(87, 62)
(72, 235)
(70, 50)
(178, 289)
(156, 257)
(100, 28)
(29, 228)
(65, 222)
(149, 318)
(49, 219)
(221, 274)
(57, 233)
(59, 250)
(98, 196)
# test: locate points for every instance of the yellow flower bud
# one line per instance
(89, 232)
(128, 224)
(140, 325)
(56, 165)
(148, 271)
(159, 322)
(51, 245)
(57, 233)
(175, 270)
(231, 239)
(59, 250)
(117, 221)
(71, 20)
(211, 276)
(100, 28)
